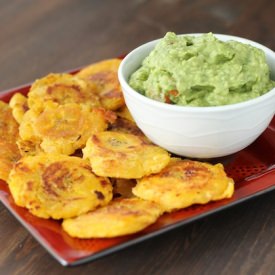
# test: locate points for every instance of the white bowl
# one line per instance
(198, 132)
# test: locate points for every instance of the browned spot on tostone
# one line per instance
(104, 183)
(114, 93)
(95, 139)
(20, 166)
(99, 195)
(25, 107)
(51, 89)
(55, 175)
(29, 185)
(103, 78)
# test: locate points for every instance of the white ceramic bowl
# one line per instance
(199, 132)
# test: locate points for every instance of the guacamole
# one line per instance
(202, 71)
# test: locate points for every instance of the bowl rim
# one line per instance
(180, 108)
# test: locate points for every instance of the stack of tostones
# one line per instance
(62, 128)
(71, 150)
(60, 113)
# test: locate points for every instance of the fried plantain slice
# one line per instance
(62, 128)
(185, 182)
(104, 75)
(124, 113)
(57, 186)
(124, 125)
(120, 217)
(62, 89)
(9, 154)
(19, 105)
(8, 125)
(122, 155)
(28, 147)
(26, 131)
(122, 188)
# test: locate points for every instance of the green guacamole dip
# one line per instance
(202, 71)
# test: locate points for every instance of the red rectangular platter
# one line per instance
(253, 170)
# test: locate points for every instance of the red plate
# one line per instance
(253, 170)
